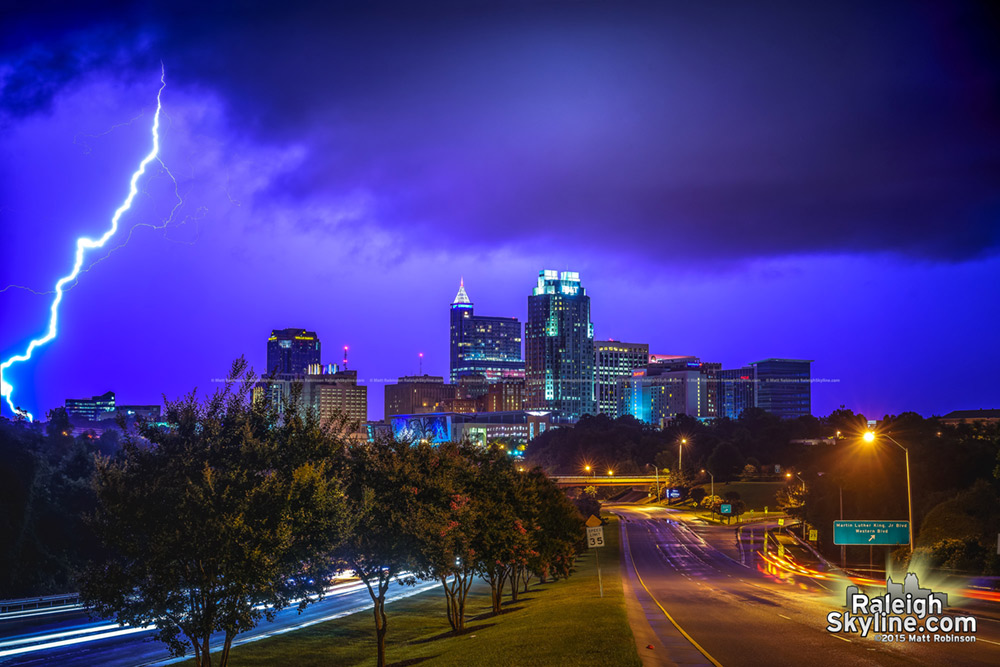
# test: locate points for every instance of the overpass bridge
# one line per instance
(571, 481)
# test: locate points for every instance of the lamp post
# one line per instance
(680, 457)
(713, 481)
(869, 436)
(587, 468)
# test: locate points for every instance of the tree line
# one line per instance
(237, 510)
(955, 471)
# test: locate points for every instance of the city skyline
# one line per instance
(725, 209)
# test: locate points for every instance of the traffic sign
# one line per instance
(725, 508)
(813, 534)
(871, 532)
(593, 521)
(595, 536)
(781, 521)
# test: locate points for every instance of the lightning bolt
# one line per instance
(84, 244)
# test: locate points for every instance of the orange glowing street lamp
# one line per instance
(869, 437)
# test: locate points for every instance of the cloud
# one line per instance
(669, 133)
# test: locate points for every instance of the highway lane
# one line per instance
(742, 616)
(72, 638)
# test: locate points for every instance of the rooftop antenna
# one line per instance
(345, 357)
(421, 364)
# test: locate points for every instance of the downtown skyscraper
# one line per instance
(290, 352)
(483, 345)
(559, 347)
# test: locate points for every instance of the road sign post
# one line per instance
(595, 540)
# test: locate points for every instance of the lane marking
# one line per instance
(841, 639)
(987, 641)
(787, 618)
(665, 613)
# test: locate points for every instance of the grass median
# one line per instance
(559, 623)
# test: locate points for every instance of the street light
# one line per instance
(680, 456)
(869, 436)
(713, 480)
(610, 472)
(587, 468)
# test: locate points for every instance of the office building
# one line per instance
(91, 409)
(507, 395)
(418, 394)
(783, 387)
(659, 392)
(560, 369)
(736, 391)
(614, 361)
(334, 394)
(482, 345)
(290, 352)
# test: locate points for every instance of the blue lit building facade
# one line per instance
(481, 345)
(560, 364)
(91, 409)
(658, 393)
(290, 352)
(736, 391)
(784, 387)
(615, 360)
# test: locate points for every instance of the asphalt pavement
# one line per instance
(70, 637)
(714, 588)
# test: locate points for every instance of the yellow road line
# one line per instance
(665, 613)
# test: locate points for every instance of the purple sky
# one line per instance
(730, 182)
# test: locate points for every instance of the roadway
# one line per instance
(70, 637)
(722, 598)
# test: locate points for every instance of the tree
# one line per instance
(388, 494)
(448, 526)
(558, 532)
(587, 503)
(217, 521)
(725, 460)
(500, 534)
(697, 495)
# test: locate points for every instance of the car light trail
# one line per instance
(83, 244)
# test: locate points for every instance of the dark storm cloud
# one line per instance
(716, 131)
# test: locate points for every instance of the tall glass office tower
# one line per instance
(290, 352)
(482, 345)
(559, 346)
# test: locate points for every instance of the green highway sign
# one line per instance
(726, 508)
(871, 532)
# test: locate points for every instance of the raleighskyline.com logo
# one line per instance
(905, 613)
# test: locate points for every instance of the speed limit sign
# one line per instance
(595, 536)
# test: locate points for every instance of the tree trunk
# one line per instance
(513, 583)
(450, 595)
(206, 654)
(498, 577)
(380, 628)
(527, 577)
(463, 592)
(224, 659)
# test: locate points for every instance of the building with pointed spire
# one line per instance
(483, 345)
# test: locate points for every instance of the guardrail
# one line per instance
(43, 602)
